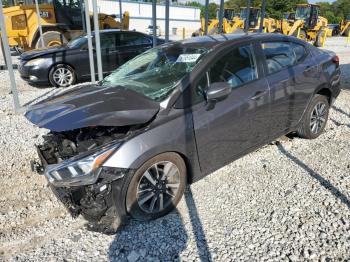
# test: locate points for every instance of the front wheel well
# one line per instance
(189, 168)
(325, 92)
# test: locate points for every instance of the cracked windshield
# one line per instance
(156, 72)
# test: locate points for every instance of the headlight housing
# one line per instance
(35, 62)
(78, 172)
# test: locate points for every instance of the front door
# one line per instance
(238, 122)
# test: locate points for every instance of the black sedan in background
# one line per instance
(64, 66)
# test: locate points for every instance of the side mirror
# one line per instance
(218, 91)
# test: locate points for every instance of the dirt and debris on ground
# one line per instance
(289, 200)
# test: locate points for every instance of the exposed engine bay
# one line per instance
(59, 146)
(94, 202)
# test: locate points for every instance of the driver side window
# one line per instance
(237, 67)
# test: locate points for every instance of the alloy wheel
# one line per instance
(63, 77)
(158, 186)
(318, 117)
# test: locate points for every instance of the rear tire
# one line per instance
(156, 187)
(51, 38)
(315, 118)
(62, 75)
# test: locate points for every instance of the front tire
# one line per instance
(62, 76)
(315, 118)
(156, 187)
(302, 34)
(319, 38)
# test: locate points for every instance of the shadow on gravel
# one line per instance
(340, 111)
(159, 240)
(345, 69)
(324, 182)
(197, 228)
(162, 239)
(338, 123)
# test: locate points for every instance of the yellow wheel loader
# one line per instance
(343, 28)
(61, 21)
(307, 25)
(230, 23)
(269, 24)
(233, 23)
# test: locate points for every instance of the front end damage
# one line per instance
(95, 194)
(87, 126)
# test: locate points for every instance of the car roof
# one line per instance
(211, 41)
(116, 30)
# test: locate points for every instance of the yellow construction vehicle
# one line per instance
(269, 24)
(233, 23)
(307, 25)
(343, 28)
(61, 20)
(229, 23)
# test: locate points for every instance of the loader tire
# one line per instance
(320, 36)
(51, 38)
(302, 34)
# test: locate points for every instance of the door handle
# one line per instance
(258, 94)
(308, 68)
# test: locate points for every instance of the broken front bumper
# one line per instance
(102, 204)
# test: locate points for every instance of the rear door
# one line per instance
(109, 56)
(307, 78)
(131, 44)
(237, 123)
(292, 76)
(280, 74)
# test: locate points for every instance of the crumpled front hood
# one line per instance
(92, 106)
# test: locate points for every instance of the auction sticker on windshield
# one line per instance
(188, 58)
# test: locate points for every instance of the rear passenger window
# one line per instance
(129, 39)
(107, 41)
(278, 55)
(299, 51)
(236, 67)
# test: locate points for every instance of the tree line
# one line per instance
(334, 12)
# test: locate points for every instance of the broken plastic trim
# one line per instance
(79, 170)
(101, 203)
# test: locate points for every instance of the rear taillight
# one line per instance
(335, 60)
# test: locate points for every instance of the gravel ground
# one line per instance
(289, 200)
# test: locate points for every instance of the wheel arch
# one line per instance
(325, 91)
(191, 168)
(154, 141)
(60, 63)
